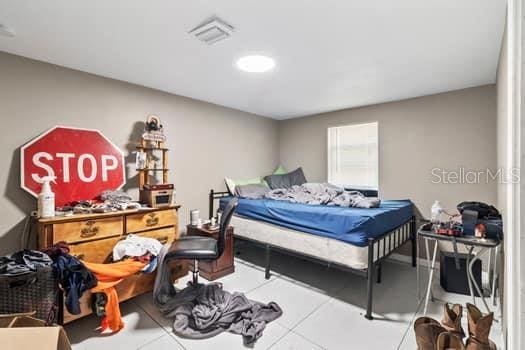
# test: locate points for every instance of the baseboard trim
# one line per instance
(408, 260)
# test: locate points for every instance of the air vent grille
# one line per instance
(212, 31)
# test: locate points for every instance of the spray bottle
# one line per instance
(435, 212)
(46, 198)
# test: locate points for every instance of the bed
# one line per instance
(352, 239)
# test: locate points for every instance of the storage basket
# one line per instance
(32, 292)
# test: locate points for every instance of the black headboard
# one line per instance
(214, 195)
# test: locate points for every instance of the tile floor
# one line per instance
(323, 309)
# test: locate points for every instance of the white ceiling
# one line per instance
(330, 54)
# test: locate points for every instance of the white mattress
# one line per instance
(315, 246)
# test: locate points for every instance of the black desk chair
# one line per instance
(202, 248)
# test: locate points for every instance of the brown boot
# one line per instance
(452, 319)
(479, 329)
(449, 341)
(427, 331)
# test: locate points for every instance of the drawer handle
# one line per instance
(163, 240)
(89, 231)
(153, 220)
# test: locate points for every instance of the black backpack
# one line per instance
(485, 211)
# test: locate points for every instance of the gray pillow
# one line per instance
(295, 177)
(251, 191)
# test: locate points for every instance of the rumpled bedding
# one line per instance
(323, 194)
(202, 311)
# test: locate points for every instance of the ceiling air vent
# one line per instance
(212, 31)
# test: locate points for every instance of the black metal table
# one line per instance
(484, 244)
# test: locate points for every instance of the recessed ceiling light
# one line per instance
(6, 31)
(255, 63)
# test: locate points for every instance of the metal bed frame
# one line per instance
(379, 248)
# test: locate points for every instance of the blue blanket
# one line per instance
(351, 225)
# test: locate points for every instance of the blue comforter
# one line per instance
(351, 225)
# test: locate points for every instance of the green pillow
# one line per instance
(280, 171)
(230, 184)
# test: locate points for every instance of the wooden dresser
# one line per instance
(92, 237)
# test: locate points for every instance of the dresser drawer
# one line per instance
(78, 231)
(150, 220)
(99, 251)
(163, 235)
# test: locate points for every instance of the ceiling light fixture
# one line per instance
(255, 63)
(6, 31)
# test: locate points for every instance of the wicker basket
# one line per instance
(33, 292)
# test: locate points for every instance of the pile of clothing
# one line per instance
(23, 262)
(133, 255)
(202, 311)
(73, 276)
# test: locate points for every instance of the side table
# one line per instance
(212, 270)
(483, 244)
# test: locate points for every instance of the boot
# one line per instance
(479, 329)
(452, 319)
(427, 331)
(449, 341)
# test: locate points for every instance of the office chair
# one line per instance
(203, 248)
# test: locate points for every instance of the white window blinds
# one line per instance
(353, 156)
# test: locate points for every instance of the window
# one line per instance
(353, 156)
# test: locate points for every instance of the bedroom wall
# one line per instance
(449, 131)
(206, 141)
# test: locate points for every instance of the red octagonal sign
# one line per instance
(84, 162)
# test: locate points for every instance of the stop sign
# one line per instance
(84, 162)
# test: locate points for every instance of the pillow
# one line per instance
(280, 171)
(251, 191)
(295, 177)
(231, 184)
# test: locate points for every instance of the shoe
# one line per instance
(449, 341)
(427, 331)
(479, 329)
(452, 319)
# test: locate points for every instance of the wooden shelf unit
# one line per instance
(149, 147)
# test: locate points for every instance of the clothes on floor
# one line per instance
(203, 311)
(23, 262)
(73, 276)
(108, 276)
(323, 194)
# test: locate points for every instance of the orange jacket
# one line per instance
(109, 275)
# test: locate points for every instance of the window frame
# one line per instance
(328, 160)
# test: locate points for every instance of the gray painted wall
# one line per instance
(207, 142)
(448, 131)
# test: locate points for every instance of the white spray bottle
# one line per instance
(46, 198)
(435, 212)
